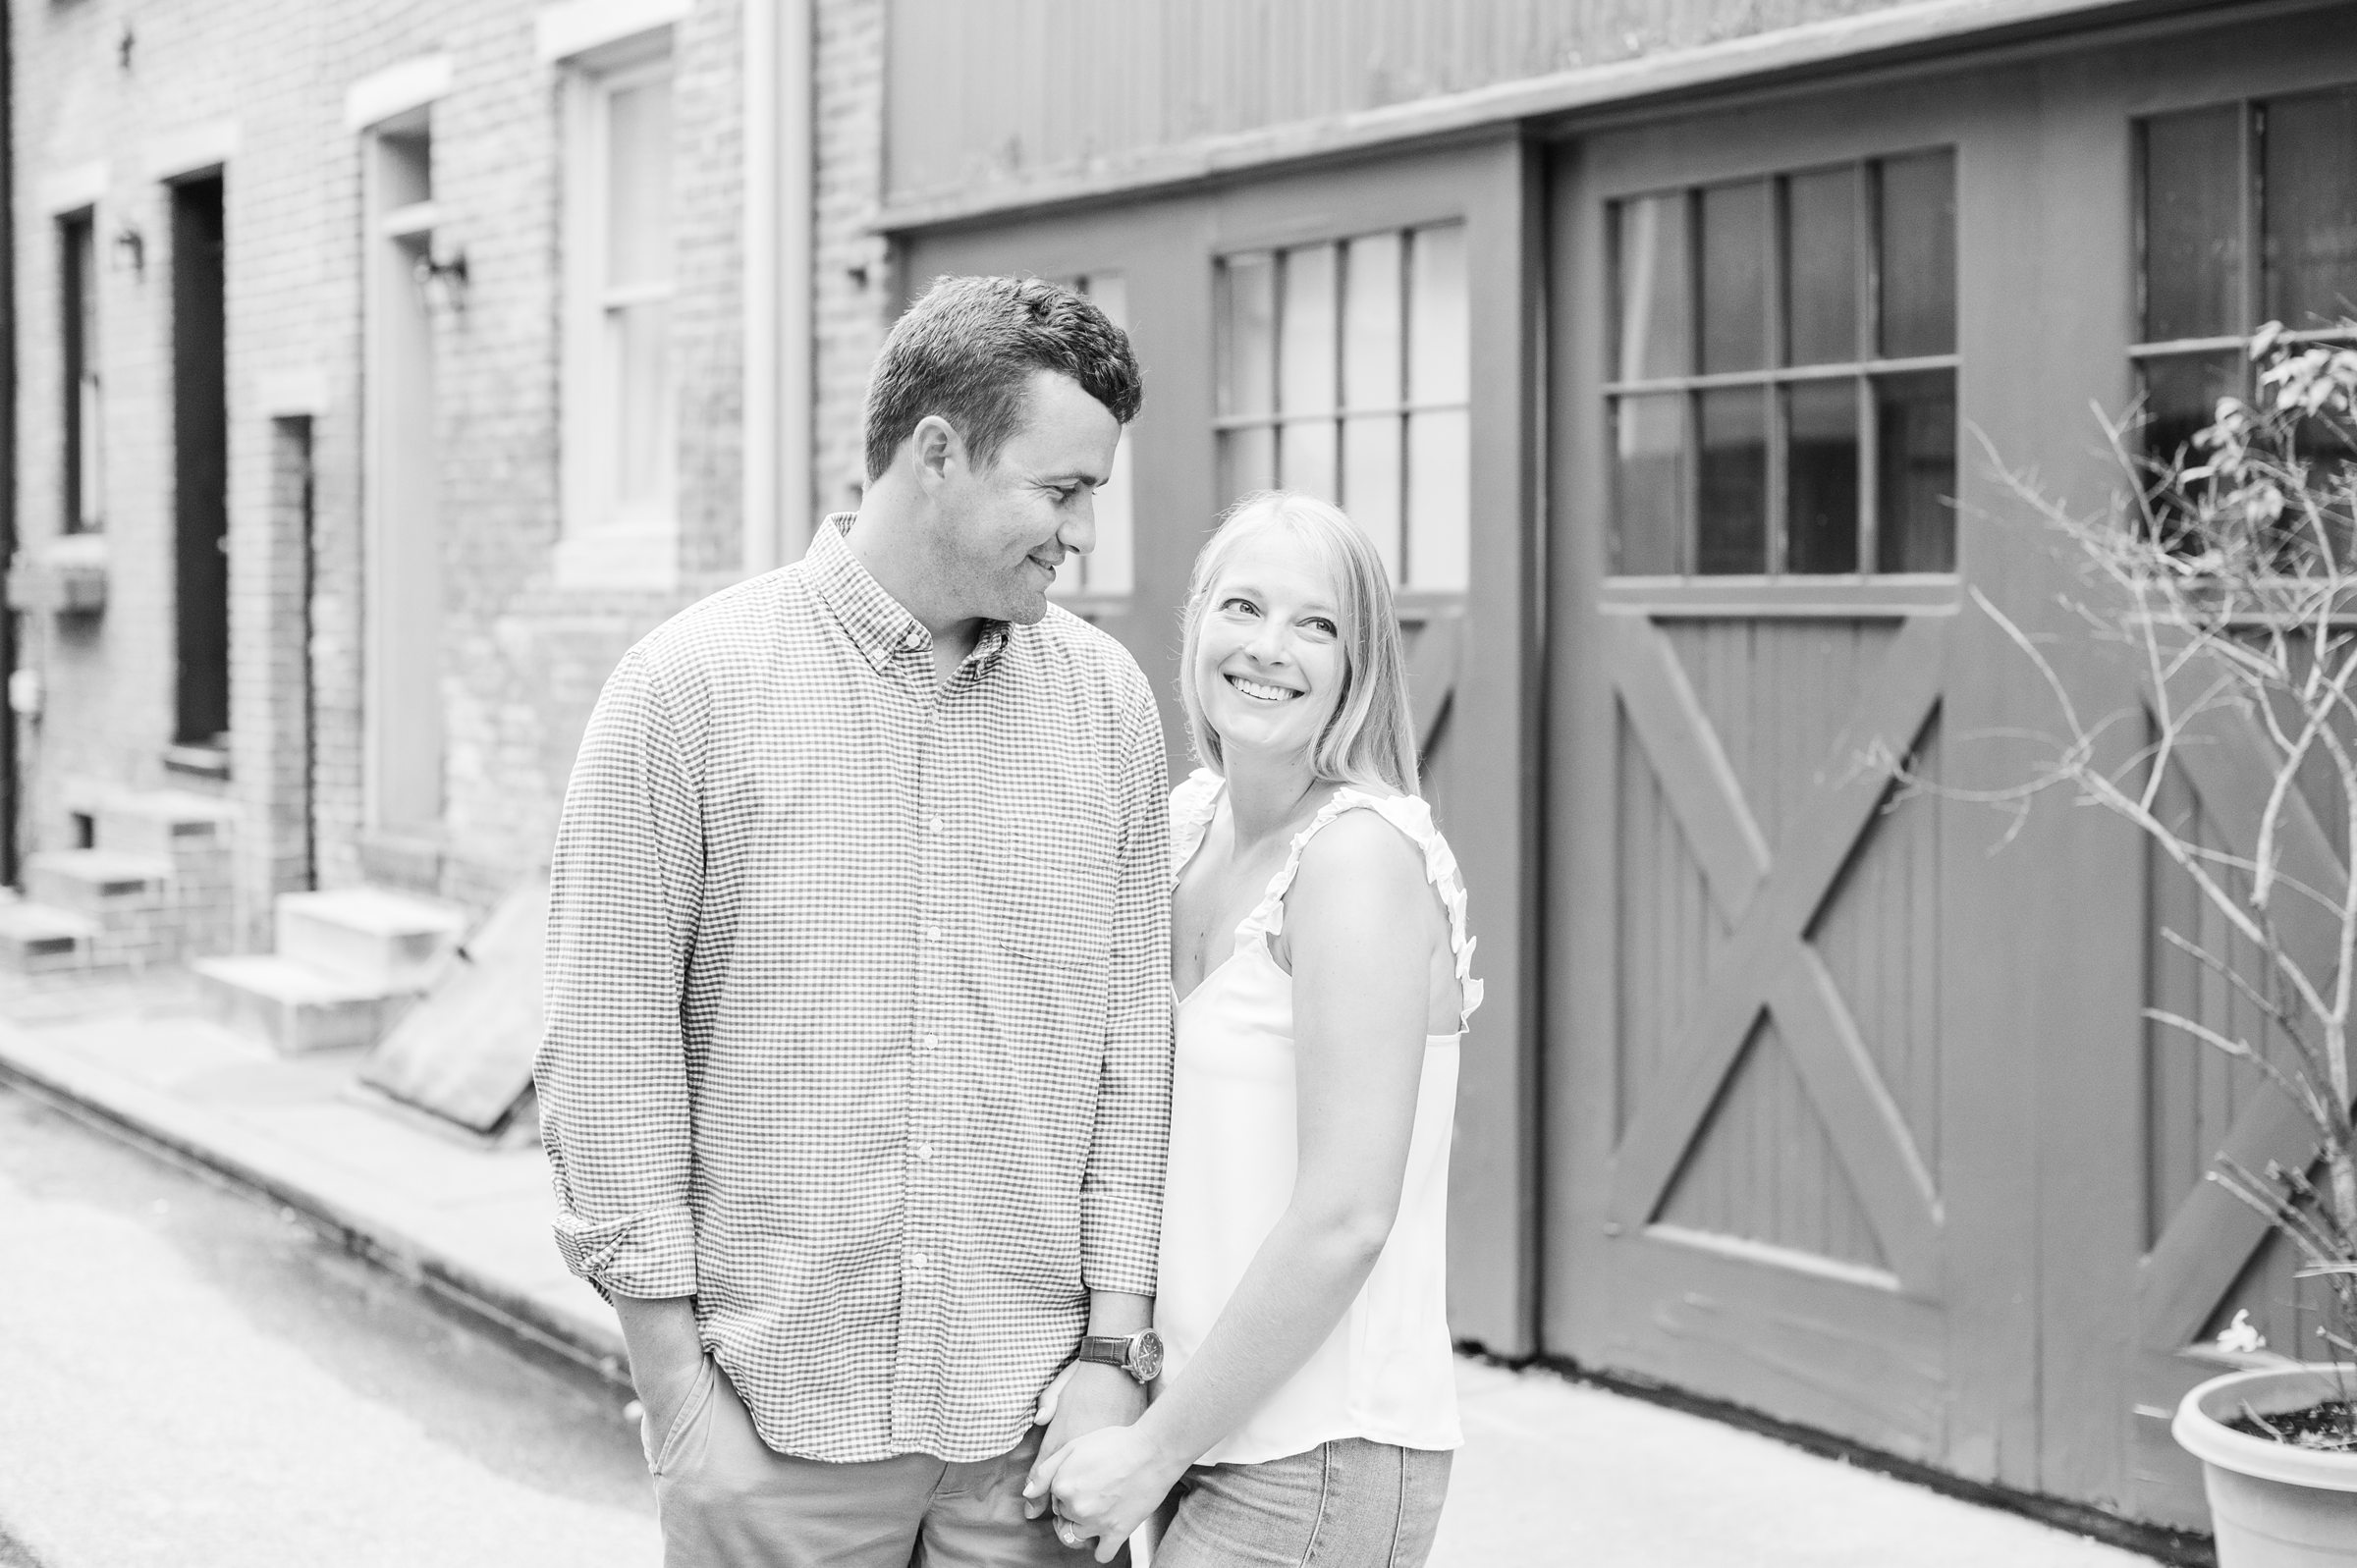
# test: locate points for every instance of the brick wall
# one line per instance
(521, 661)
(852, 283)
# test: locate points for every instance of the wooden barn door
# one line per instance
(1755, 391)
(1361, 334)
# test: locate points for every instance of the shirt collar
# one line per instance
(879, 625)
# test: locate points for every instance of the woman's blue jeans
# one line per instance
(1350, 1503)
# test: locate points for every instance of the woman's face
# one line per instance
(1269, 662)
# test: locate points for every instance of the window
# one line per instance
(1344, 371)
(2270, 183)
(1781, 385)
(84, 411)
(621, 426)
(1108, 571)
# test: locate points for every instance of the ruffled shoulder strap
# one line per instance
(1413, 818)
(1193, 803)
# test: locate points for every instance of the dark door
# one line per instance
(200, 465)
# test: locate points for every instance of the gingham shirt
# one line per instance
(859, 1003)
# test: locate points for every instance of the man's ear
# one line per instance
(938, 449)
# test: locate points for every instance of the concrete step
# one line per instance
(36, 939)
(174, 823)
(98, 882)
(293, 1005)
(387, 941)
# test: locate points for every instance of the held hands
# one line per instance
(1084, 1398)
(1105, 1484)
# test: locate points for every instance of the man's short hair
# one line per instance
(967, 351)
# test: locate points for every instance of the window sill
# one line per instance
(637, 562)
(195, 761)
(1783, 598)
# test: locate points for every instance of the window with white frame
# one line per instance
(1107, 571)
(1345, 371)
(621, 388)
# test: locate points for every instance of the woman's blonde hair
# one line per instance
(1371, 737)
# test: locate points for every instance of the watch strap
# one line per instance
(1111, 1349)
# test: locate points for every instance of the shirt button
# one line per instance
(930, 1041)
(934, 824)
(932, 932)
(916, 1263)
(924, 1151)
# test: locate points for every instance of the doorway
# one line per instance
(200, 467)
(403, 649)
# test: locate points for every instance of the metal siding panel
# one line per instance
(1067, 82)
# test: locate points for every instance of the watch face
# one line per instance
(1145, 1356)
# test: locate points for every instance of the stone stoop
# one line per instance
(349, 963)
(35, 939)
(156, 889)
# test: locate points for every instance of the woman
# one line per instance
(1308, 1407)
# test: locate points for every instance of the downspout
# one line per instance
(779, 368)
(8, 620)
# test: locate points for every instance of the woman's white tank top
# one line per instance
(1386, 1372)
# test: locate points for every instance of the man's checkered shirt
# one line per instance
(859, 1003)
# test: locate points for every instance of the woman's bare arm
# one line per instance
(1360, 923)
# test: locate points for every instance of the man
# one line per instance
(856, 1072)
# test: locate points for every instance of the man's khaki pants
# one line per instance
(728, 1500)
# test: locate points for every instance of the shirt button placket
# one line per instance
(921, 1285)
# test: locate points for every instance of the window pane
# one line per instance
(90, 457)
(1106, 568)
(2180, 396)
(1247, 462)
(1821, 469)
(1915, 430)
(1305, 357)
(1735, 277)
(1821, 266)
(1111, 567)
(2193, 225)
(1371, 348)
(1731, 524)
(1305, 458)
(1439, 355)
(1655, 315)
(1440, 499)
(1371, 481)
(1648, 486)
(2325, 539)
(86, 412)
(2310, 223)
(643, 432)
(639, 182)
(1916, 242)
(1247, 330)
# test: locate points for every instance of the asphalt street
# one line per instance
(190, 1377)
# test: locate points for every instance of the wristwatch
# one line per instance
(1139, 1354)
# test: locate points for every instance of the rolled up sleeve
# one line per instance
(626, 891)
(1120, 1197)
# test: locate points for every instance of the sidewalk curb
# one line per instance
(384, 1231)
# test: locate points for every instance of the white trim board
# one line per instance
(208, 144)
(64, 191)
(290, 393)
(395, 90)
(578, 27)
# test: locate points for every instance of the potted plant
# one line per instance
(2227, 573)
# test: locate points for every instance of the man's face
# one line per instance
(1005, 529)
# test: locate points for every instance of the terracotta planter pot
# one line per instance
(2272, 1505)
